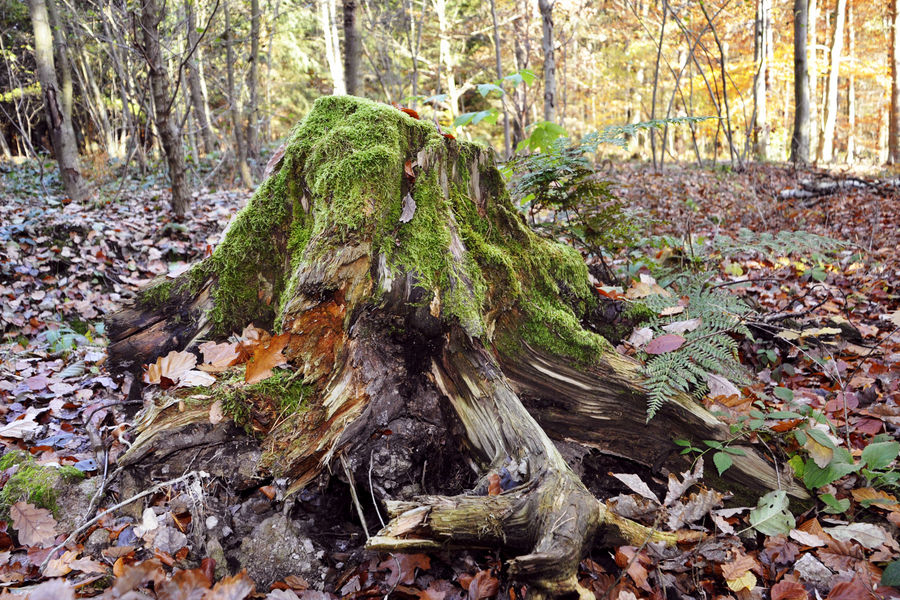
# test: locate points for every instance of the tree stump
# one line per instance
(432, 329)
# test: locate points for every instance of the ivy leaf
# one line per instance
(771, 517)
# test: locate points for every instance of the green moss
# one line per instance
(282, 392)
(33, 483)
(156, 294)
(637, 312)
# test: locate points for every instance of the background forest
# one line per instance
(221, 79)
(726, 169)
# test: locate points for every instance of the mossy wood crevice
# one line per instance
(417, 339)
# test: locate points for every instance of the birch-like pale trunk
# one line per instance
(812, 19)
(327, 17)
(761, 51)
(351, 46)
(831, 105)
(198, 98)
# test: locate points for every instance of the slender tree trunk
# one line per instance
(446, 59)
(65, 149)
(522, 49)
(812, 20)
(762, 24)
(234, 103)
(851, 90)
(893, 142)
(831, 106)
(169, 134)
(327, 18)
(413, 40)
(800, 137)
(659, 46)
(253, 83)
(198, 99)
(546, 8)
(351, 46)
(61, 56)
(499, 66)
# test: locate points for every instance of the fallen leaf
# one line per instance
(35, 526)
(789, 590)
(218, 357)
(409, 208)
(410, 112)
(403, 567)
(494, 488)
(195, 379)
(637, 485)
(664, 344)
(216, 414)
(483, 586)
(55, 589)
(683, 326)
(172, 366)
(265, 358)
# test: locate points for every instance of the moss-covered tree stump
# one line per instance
(430, 328)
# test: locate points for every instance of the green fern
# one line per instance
(710, 348)
(783, 242)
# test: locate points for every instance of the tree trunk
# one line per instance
(351, 46)
(831, 105)
(851, 89)
(546, 8)
(455, 324)
(234, 103)
(812, 21)
(65, 149)
(499, 66)
(800, 137)
(169, 134)
(253, 83)
(198, 98)
(327, 21)
(761, 27)
(894, 118)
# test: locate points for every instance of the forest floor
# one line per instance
(64, 267)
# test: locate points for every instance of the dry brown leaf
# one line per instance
(741, 564)
(234, 587)
(172, 366)
(484, 585)
(265, 358)
(58, 567)
(789, 590)
(494, 484)
(877, 498)
(35, 526)
(218, 357)
(55, 589)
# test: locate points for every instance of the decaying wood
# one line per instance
(400, 383)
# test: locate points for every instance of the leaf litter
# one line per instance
(63, 267)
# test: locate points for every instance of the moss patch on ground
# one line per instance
(37, 484)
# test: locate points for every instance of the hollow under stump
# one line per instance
(432, 331)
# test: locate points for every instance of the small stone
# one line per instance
(97, 541)
(211, 522)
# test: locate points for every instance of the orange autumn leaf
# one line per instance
(266, 357)
(494, 488)
(410, 112)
